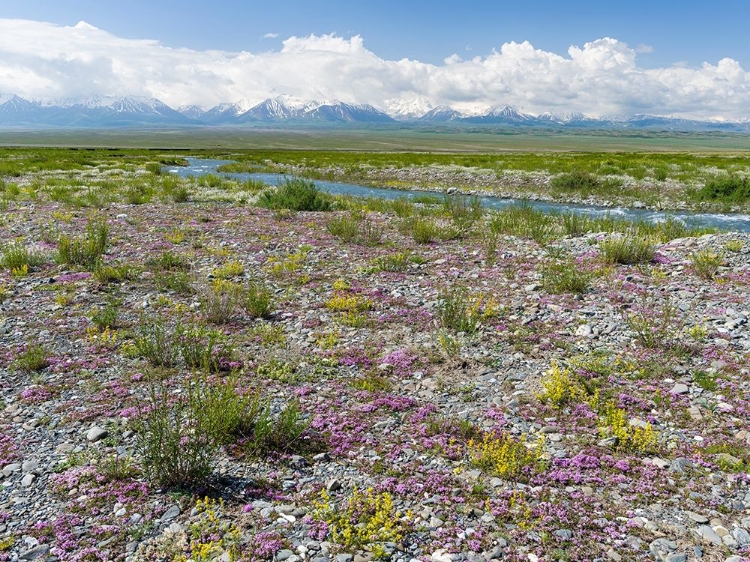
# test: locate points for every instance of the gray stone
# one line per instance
(612, 555)
(565, 534)
(29, 466)
(9, 469)
(741, 536)
(333, 484)
(170, 514)
(676, 557)
(28, 480)
(707, 533)
(734, 558)
(697, 517)
(679, 388)
(436, 522)
(344, 557)
(284, 554)
(96, 433)
(36, 552)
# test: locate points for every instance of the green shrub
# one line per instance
(155, 342)
(219, 301)
(565, 277)
(180, 194)
(627, 249)
(169, 261)
(178, 441)
(398, 262)
(423, 230)
(177, 281)
(729, 189)
(154, 168)
(107, 316)
(203, 348)
(17, 256)
(345, 227)
(114, 273)
(282, 435)
(295, 194)
(88, 250)
(576, 180)
(32, 359)
(256, 301)
(456, 310)
(464, 210)
(706, 263)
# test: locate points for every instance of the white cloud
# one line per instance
(270, 36)
(602, 77)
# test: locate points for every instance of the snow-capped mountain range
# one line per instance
(133, 111)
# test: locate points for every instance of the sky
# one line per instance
(596, 57)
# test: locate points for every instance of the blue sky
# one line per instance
(688, 31)
(600, 58)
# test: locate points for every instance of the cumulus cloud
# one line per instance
(602, 77)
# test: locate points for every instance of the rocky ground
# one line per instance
(606, 425)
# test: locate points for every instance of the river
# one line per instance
(723, 221)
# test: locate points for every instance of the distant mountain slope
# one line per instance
(135, 111)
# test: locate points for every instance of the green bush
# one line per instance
(203, 348)
(17, 256)
(295, 194)
(345, 227)
(282, 435)
(565, 277)
(576, 180)
(178, 441)
(32, 359)
(219, 301)
(107, 316)
(177, 281)
(155, 342)
(706, 263)
(729, 189)
(88, 250)
(256, 301)
(456, 312)
(627, 250)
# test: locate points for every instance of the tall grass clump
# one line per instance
(295, 194)
(525, 222)
(577, 180)
(155, 342)
(727, 189)
(456, 310)
(178, 438)
(706, 263)
(256, 301)
(565, 277)
(627, 249)
(18, 257)
(88, 250)
(464, 210)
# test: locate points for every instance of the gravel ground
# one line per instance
(398, 405)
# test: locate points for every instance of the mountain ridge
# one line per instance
(124, 111)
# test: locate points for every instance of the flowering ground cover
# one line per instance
(187, 376)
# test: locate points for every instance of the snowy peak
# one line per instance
(138, 111)
(191, 111)
(408, 109)
(267, 110)
(346, 113)
(441, 113)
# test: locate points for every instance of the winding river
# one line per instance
(736, 222)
